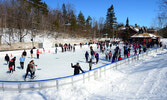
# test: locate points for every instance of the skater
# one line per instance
(56, 50)
(90, 64)
(144, 48)
(128, 54)
(92, 53)
(37, 53)
(140, 49)
(97, 58)
(114, 57)
(86, 56)
(125, 52)
(30, 68)
(110, 45)
(77, 68)
(11, 66)
(43, 50)
(22, 59)
(106, 53)
(135, 52)
(14, 59)
(62, 49)
(7, 58)
(31, 52)
(110, 55)
(24, 53)
(33, 70)
(73, 48)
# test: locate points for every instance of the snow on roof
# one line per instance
(122, 28)
(137, 29)
(145, 35)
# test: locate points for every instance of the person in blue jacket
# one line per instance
(86, 56)
(22, 59)
(97, 58)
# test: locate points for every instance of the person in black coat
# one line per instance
(31, 52)
(24, 53)
(7, 58)
(86, 56)
(77, 68)
(14, 59)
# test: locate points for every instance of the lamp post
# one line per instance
(10, 33)
(34, 29)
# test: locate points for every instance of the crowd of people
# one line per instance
(30, 67)
(92, 57)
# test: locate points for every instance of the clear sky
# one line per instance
(141, 12)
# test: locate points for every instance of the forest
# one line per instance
(35, 15)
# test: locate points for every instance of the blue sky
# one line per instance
(141, 12)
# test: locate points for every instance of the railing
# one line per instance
(69, 80)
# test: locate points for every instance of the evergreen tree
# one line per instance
(64, 13)
(127, 22)
(73, 21)
(81, 20)
(88, 22)
(126, 33)
(110, 21)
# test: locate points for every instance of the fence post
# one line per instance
(83, 77)
(100, 73)
(3, 87)
(88, 76)
(72, 80)
(95, 74)
(116, 65)
(57, 84)
(19, 87)
(105, 70)
(40, 86)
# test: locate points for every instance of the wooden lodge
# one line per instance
(145, 37)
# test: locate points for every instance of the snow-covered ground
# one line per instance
(141, 80)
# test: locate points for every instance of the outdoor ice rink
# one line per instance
(50, 65)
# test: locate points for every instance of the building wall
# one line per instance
(17, 46)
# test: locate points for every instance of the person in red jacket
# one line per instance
(37, 53)
(11, 66)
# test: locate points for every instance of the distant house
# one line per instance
(141, 34)
(131, 30)
(145, 37)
